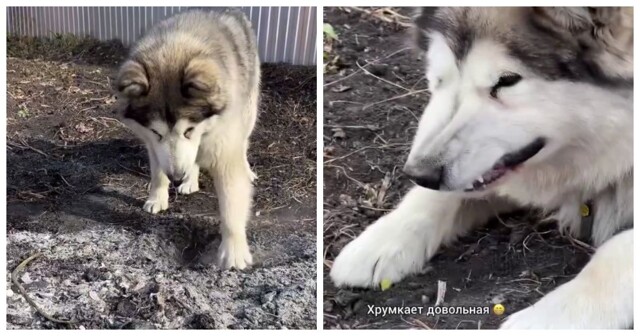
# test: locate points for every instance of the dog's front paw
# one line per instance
(234, 253)
(156, 204)
(546, 314)
(189, 186)
(530, 318)
(567, 307)
(380, 253)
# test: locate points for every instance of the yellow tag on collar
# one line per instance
(584, 210)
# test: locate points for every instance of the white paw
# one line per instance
(383, 251)
(156, 204)
(599, 297)
(188, 187)
(567, 307)
(530, 318)
(234, 253)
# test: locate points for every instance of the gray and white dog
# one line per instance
(189, 90)
(528, 107)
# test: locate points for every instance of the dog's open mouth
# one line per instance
(505, 164)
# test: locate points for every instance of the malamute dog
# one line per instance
(189, 90)
(529, 107)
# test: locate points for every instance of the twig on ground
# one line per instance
(375, 209)
(416, 323)
(361, 149)
(468, 321)
(387, 15)
(442, 290)
(410, 93)
(580, 244)
(65, 181)
(370, 127)
(133, 171)
(381, 79)
(333, 102)
(344, 171)
(364, 66)
(14, 279)
(25, 145)
(382, 192)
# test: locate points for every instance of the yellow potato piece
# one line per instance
(385, 284)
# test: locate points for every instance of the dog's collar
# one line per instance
(586, 212)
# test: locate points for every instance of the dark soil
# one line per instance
(76, 183)
(367, 134)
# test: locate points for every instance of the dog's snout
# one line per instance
(427, 176)
(176, 180)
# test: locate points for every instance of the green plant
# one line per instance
(329, 32)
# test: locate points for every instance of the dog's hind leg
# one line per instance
(400, 243)
(599, 297)
(234, 190)
(190, 183)
(158, 188)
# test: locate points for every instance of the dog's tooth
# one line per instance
(480, 179)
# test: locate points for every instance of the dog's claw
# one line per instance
(234, 254)
(188, 187)
(154, 206)
(374, 257)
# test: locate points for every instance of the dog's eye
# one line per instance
(156, 133)
(187, 133)
(506, 80)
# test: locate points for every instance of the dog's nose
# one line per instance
(429, 177)
(176, 180)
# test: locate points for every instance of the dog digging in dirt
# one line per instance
(529, 107)
(189, 89)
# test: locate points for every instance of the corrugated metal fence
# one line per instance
(285, 34)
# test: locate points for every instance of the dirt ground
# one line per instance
(374, 93)
(76, 182)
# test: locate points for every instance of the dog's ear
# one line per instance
(422, 17)
(133, 80)
(582, 19)
(612, 16)
(202, 81)
(607, 31)
(571, 19)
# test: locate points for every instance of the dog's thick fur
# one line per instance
(189, 90)
(548, 90)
